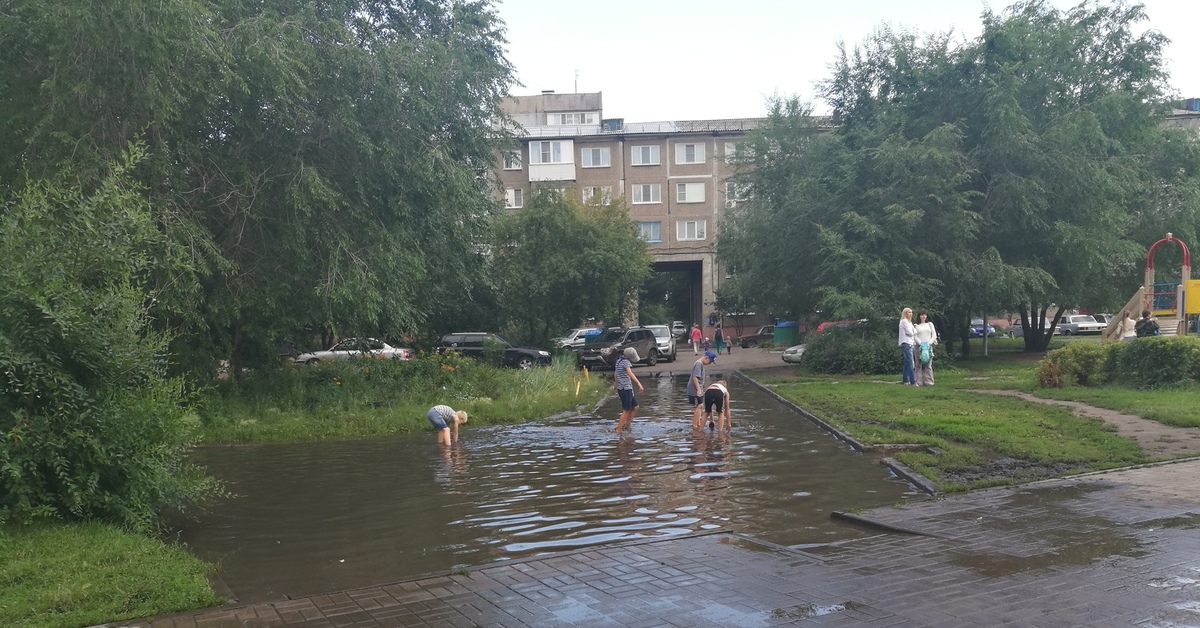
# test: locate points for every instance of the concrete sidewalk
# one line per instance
(1109, 549)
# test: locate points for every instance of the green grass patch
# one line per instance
(372, 398)
(71, 575)
(1171, 406)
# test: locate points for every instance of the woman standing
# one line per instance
(923, 350)
(908, 338)
(1127, 328)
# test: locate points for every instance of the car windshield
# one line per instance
(612, 335)
(660, 331)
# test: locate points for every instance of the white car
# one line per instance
(350, 348)
(573, 339)
(665, 341)
(1072, 324)
(793, 354)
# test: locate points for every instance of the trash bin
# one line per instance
(787, 333)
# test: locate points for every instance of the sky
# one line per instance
(657, 60)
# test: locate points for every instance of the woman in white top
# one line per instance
(1126, 328)
(907, 339)
(926, 338)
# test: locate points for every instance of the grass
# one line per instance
(976, 440)
(348, 400)
(70, 575)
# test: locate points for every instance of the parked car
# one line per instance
(793, 354)
(605, 350)
(473, 344)
(1072, 324)
(350, 348)
(1015, 330)
(1103, 318)
(845, 323)
(666, 342)
(678, 329)
(573, 339)
(764, 333)
(977, 329)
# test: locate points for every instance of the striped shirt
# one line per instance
(623, 380)
(446, 412)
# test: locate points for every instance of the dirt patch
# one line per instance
(1018, 470)
(1157, 440)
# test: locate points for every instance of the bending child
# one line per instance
(717, 396)
(443, 419)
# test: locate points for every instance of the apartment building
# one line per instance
(675, 177)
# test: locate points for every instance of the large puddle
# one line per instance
(318, 517)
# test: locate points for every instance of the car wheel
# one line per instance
(652, 359)
(313, 362)
(671, 357)
(1067, 332)
(525, 363)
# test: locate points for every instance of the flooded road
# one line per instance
(318, 517)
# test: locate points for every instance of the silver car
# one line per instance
(350, 348)
(665, 341)
(793, 354)
(574, 338)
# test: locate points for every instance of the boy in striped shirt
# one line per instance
(443, 419)
(625, 381)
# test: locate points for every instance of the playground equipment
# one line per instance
(1171, 302)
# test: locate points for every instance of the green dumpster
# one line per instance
(787, 333)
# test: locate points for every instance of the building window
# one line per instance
(512, 160)
(689, 153)
(571, 118)
(596, 157)
(730, 152)
(689, 192)
(736, 192)
(547, 153)
(603, 194)
(645, 155)
(514, 198)
(644, 193)
(689, 230)
(651, 231)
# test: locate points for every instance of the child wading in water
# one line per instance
(717, 397)
(443, 419)
(625, 380)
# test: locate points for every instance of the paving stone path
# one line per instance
(1109, 549)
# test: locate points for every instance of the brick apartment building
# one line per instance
(675, 177)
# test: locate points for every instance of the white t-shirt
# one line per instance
(926, 333)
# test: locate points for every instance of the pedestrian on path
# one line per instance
(718, 339)
(695, 338)
(923, 350)
(625, 380)
(1127, 328)
(907, 338)
(717, 397)
(444, 418)
(695, 387)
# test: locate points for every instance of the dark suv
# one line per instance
(471, 344)
(605, 350)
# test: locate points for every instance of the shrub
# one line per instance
(852, 351)
(1080, 363)
(1143, 362)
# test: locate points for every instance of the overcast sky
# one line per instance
(699, 59)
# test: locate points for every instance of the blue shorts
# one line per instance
(435, 417)
(628, 401)
(694, 400)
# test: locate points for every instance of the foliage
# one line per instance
(374, 397)
(89, 573)
(90, 426)
(323, 162)
(1143, 362)
(847, 352)
(663, 298)
(1010, 171)
(557, 262)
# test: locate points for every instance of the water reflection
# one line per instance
(317, 517)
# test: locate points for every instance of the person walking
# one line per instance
(1127, 328)
(718, 339)
(695, 387)
(625, 379)
(923, 351)
(907, 338)
(695, 338)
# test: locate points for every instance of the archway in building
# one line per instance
(672, 293)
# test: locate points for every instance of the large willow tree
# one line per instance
(1020, 169)
(322, 160)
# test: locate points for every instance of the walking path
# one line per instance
(1117, 548)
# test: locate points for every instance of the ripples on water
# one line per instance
(316, 517)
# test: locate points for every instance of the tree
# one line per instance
(1007, 172)
(90, 425)
(556, 262)
(324, 162)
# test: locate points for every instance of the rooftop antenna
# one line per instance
(576, 81)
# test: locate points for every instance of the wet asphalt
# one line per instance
(1116, 548)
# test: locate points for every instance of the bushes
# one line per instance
(850, 351)
(1143, 362)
